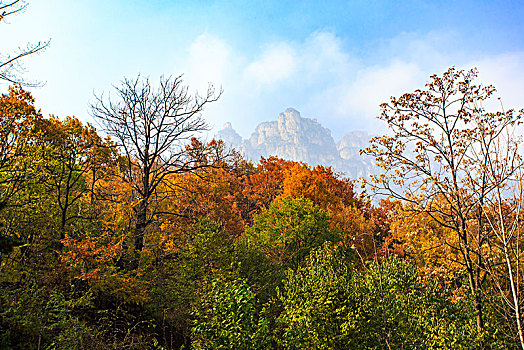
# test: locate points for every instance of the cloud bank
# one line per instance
(324, 74)
(323, 78)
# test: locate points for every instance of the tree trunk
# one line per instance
(478, 311)
(140, 225)
(473, 279)
(514, 294)
(138, 234)
(63, 220)
(474, 288)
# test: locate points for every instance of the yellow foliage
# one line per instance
(432, 246)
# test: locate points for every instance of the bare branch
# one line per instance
(155, 129)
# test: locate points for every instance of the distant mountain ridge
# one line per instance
(296, 138)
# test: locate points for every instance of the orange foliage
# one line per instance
(354, 218)
(17, 105)
(264, 184)
(88, 257)
(192, 196)
(94, 261)
(320, 185)
(17, 114)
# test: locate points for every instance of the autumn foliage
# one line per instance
(108, 247)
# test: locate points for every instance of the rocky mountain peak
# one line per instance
(297, 138)
(290, 115)
(229, 136)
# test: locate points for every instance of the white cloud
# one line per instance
(324, 79)
(375, 85)
(506, 72)
(277, 63)
(319, 59)
(322, 54)
(208, 61)
(321, 75)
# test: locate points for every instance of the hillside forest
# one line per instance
(138, 235)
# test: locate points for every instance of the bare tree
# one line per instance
(10, 67)
(436, 158)
(153, 129)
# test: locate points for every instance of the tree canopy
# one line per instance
(142, 236)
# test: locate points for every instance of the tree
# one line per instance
(17, 116)
(435, 159)
(11, 8)
(503, 214)
(72, 158)
(17, 120)
(264, 184)
(317, 301)
(427, 243)
(152, 129)
(10, 63)
(289, 229)
(351, 215)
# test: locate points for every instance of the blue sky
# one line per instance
(331, 60)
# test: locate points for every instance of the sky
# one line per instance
(335, 61)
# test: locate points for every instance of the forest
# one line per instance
(141, 236)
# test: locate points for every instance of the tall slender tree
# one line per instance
(437, 157)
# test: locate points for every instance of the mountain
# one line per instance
(229, 136)
(302, 139)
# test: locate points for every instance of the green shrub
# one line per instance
(228, 318)
(328, 304)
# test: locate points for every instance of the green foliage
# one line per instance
(395, 309)
(316, 300)
(289, 229)
(205, 254)
(256, 267)
(31, 318)
(281, 237)
(229, 318)
(207, 250)
(34, 317)
(328, 304)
